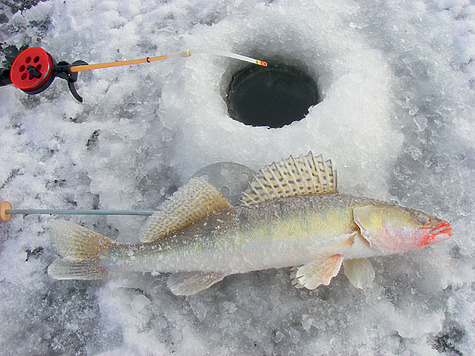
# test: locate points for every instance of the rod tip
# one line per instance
(4, 206)
(261, 63)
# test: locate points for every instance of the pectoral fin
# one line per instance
(189, 283)
(359, 271)
(312, 275)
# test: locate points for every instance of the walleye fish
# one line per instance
(291, 215)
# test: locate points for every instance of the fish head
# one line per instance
(393, 229)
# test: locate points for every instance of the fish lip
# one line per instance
(443, 227)
(438, 233)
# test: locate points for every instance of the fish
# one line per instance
(290, 215)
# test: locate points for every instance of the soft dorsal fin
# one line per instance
(300, 176)
(195, 200)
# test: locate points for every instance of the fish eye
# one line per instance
(422, 219)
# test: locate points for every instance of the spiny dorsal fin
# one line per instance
(292, 177)
(192, 202)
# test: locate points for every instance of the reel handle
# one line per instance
(62, 71)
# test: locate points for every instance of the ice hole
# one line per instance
(274, 96)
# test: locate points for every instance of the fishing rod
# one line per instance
(6, 211)
(230, 178)
(33, 69)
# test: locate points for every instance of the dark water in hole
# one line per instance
(274, 96)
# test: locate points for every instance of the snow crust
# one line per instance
(397, 81)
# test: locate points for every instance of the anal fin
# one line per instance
(189, 283)
(359, 271)
(312, 275)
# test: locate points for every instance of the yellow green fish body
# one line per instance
(290, 216)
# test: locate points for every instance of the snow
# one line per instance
(396, 119)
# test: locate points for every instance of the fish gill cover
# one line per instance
(396, 117)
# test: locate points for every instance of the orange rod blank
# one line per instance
(79, 68)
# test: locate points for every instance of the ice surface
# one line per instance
(397, 80)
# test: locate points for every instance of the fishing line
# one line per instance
(229, 55)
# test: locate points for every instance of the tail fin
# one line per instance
(81, 249)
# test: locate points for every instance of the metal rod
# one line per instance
(77, 212)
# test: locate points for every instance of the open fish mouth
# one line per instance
(439, 233)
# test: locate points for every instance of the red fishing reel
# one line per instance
(33, 70)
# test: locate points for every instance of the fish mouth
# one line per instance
(437, 234)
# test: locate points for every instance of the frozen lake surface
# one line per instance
(396, 81)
